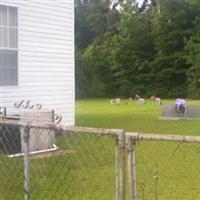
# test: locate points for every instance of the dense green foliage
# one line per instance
(148, 50)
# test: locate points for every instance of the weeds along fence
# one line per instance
(49, 161)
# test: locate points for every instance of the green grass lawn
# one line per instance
(86, 171)
(132, 117)
(176, 165)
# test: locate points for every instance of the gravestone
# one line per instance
(116, 101)
(141, 101)
(157, 101)
(192, 112)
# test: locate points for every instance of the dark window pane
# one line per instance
(8, 68)
(12, 37)
(12, 16)
(3, 58)
(3, 15)
(8, 77)
(8, 41)
(12, 59)
(3, 37)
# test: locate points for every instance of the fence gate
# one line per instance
(163, 167)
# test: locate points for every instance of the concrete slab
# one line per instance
(192, 112)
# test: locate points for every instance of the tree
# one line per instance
(175, 25)
(193, 58)
(149, 49)
(93, 20)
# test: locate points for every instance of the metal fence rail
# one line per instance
(91, 163)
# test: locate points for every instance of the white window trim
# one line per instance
(9, 4)
(18, 78)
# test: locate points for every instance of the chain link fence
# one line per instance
(49, 161)
(167, 167)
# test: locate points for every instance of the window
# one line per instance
(8, 46)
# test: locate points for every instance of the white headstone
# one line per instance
(117, 101)
(141, 101)
(157, 101)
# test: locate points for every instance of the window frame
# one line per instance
(16, 49)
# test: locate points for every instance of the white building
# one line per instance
(37, 55)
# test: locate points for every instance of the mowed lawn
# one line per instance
(132, 117)
(85, 170)
(165, 170)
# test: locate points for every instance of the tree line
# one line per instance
(124, 48)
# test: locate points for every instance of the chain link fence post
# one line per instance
(122, 166)
(117, 169)
(131, 158)
(26, 137)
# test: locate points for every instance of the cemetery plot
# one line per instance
(192, 112)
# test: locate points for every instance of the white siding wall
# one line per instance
(46, 56)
